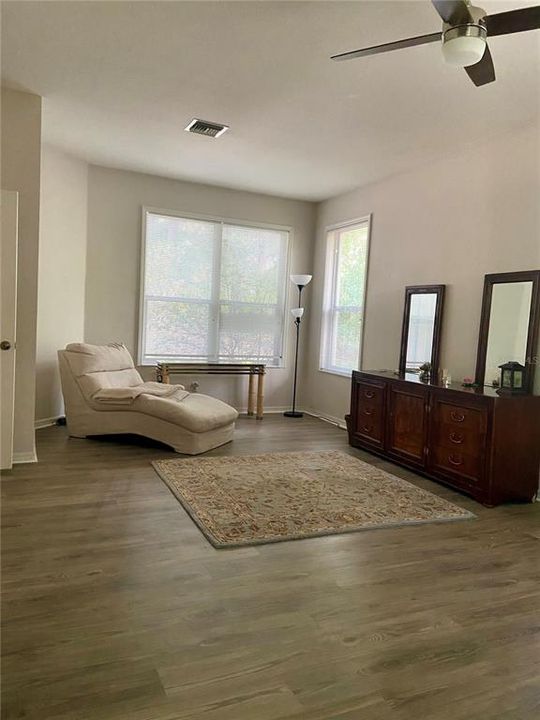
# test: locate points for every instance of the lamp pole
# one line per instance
(300, 281)
(293, 413)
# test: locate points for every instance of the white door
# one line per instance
(8, 314)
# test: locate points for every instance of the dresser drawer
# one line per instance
(460, 417)
(449, 461)
(370, 429)
(369, 396)
(459, 439)
(368, 412)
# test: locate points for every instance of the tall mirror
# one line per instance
(421, 333)
(509, 325)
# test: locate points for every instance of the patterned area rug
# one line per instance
(253, 499)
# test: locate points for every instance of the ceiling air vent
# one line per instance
(203, 127)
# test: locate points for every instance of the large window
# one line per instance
(344, 296)
(211, 290)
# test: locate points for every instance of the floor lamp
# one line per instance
(300, 281)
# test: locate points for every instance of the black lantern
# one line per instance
(512, 377)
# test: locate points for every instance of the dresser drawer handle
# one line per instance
(455, 438)
(455, 462)
(457, 417)
(367, 429)
(369, 394)
(369, 411)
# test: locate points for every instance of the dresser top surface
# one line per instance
(485, 391)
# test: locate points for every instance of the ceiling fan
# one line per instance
(464, 36)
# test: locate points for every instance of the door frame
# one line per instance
(9, 205)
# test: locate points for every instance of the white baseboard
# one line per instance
(340, 422)
(45, 422)
(267, 410)
(24, 457)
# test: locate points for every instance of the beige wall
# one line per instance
(452, 222)
(115, 199)
(62, 272)
(20, 171)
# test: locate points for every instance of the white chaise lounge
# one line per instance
(104, 394)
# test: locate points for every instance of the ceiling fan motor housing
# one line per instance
(465, 44)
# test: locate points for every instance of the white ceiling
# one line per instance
(122, 79)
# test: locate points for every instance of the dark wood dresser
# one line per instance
(475, 440)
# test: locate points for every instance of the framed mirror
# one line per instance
(421, 332)
(509, 325)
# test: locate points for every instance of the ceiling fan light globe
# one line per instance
(464, 51)
(464, 45)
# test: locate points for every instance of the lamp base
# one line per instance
(293, 413)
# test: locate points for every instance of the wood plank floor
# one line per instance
(116, 607)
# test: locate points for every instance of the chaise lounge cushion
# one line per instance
(195, 412)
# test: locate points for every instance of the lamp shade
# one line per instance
(464, 46)
(301, 280)
(297, 312)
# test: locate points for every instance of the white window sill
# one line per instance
(340, 373)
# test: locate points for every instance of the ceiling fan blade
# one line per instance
(453, 12)
(398, 45)
(513, 21)
(483, 72)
